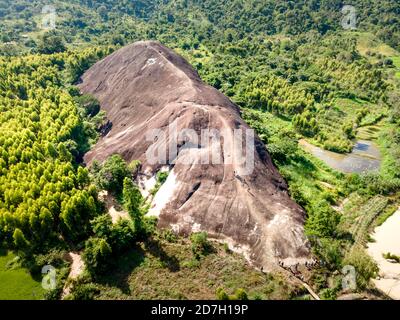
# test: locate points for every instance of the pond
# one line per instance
(364, 157)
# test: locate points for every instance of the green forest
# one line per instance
(291, 67)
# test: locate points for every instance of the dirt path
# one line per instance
(77, 265)
(387, 240)
(77, 268)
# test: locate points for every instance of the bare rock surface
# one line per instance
(146, 86)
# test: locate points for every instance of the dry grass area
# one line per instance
(367, 42)
(161, 269)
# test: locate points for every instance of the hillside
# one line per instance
(144, 87)
(287, 69)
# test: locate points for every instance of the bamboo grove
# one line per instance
(44, 193)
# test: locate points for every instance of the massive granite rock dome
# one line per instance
(146, 86)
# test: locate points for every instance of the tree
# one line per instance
(102, 11)
(76, 213)
(46, 221)
(122, 235)
(64, 153)
(102, 226)
(132, 201)
(51, 43)
(19, 240)
(83, 176)
(112, 174)
(97, 255)
(42, 191)
(89, 103)
(200, 244)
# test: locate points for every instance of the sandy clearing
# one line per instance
(387, 239)
(116, 215)
(112, 206)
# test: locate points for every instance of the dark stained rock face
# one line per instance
(146, 87)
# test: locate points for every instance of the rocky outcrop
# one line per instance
(146, 87)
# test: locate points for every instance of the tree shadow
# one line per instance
(123, 267)
(154, 247)
(345, 235)
(37, 276)
(3, 252)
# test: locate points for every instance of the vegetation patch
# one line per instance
(16, 282)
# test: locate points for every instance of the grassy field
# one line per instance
(15, 282)
(367, 42)
(396, 61)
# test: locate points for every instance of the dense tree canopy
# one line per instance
(42, 190)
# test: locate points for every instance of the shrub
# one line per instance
(322, 220)
(389, 256)
(328, 294)
(162, 177)
(134, 167)
(102, 226)
(193, 263)
(297, 194)
(20, 241)
(89, 103)
(169, 235)
(377, 184)
(119, 235)
(84, 291)
(365, 266)
(283, 149)
(328, 250)
(221, 294)
(200, 244)
(226, 248)
(241, 294)
(149, 225)
(112, 174)
(61, 276)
